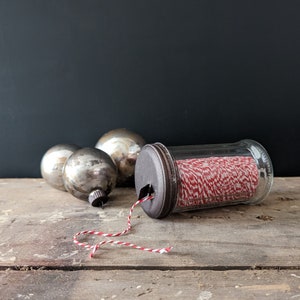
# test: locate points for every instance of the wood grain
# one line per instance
(141, 284)
(243, 252)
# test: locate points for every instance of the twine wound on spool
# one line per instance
(95, 247)
(212, 180)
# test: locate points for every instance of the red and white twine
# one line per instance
(95, 247)
(210, 181)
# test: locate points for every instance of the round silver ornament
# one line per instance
(52, 164)
(90, 174)
(123, 146)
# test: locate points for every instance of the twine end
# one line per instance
(165, 250)
(94, 249)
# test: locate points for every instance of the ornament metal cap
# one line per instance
(97, 198)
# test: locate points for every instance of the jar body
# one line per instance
(196, 177)
(224, 174)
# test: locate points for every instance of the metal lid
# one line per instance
(97, 198)
(155, 167)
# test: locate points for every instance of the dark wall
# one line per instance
(178, 72)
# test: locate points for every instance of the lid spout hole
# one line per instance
(147, 190)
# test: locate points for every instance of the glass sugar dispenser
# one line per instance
(184, 178)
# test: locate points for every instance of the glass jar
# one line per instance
(186, 178)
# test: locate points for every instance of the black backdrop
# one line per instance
(178, 72)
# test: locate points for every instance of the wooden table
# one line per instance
(238, 252)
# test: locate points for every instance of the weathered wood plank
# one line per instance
(117, 284)
(37, 224)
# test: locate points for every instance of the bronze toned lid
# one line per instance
(155, 168)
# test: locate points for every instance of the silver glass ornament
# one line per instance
(90, 174)
(123, 146)
(52, 164)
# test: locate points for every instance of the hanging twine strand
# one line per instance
(95, 247)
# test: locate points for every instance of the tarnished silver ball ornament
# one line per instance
(90, 174)
(52, 164)
(123, 146)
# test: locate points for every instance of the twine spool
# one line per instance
(196, 177)
(216, 180)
